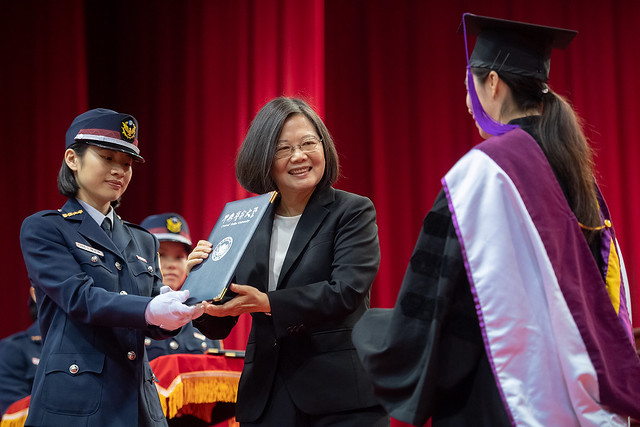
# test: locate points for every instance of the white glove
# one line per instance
(168, 311)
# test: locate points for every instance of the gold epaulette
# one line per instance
(68, 214)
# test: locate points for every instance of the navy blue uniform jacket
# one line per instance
(19, 358)
(92, 293)
(323, 289)
(188, 341)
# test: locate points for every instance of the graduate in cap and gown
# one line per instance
(98, 287)
(514, 308)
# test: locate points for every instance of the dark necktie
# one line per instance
(106, 226)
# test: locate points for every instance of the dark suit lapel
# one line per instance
(262, 246)
(312, 217)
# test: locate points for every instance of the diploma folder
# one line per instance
(209, 280)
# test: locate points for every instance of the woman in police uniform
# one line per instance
(172, 232)
(98, 289)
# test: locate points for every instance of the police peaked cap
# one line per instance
(168, 227)
(107, 129)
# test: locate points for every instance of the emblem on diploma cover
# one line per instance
(222, 248)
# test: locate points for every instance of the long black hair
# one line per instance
(562, 141)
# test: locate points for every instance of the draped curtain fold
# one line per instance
(388, 78)
(43, 85)
(395, 102)
(194, 77)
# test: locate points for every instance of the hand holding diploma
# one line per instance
(168, 311)
(199, 254)
(247, 300)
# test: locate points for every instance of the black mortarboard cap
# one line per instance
(516, 47)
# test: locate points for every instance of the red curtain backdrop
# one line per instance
(194, 76)
(43, 84)
(387, 77)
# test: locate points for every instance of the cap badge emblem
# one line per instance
(174, 225)
(128, 130)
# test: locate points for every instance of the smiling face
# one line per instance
(298, 175)
(102, 175)
(173, 263)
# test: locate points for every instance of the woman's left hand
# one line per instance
(198, 254)
(248, 300)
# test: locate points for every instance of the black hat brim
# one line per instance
(137, 157)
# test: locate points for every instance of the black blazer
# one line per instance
(323, 289)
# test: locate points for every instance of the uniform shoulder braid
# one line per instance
(56, 212)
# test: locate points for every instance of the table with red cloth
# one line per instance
(16, 414)
(188, 384)
(194, 383)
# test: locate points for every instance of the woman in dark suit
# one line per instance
(98, 288)
(305, 278)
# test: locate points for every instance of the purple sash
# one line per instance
(558, 339)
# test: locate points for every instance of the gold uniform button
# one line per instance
(94, 258)
(123, 292)
(131, 355)
(147, 341)
(174, 345)
(607, 223)
(150, 269)
(74, 369)
(118, 265)
(204, 345)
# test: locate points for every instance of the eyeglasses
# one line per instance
(308, 145)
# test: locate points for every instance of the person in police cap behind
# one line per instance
(175, 245)
(19, 358)
(98, 287)
(512, 310)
